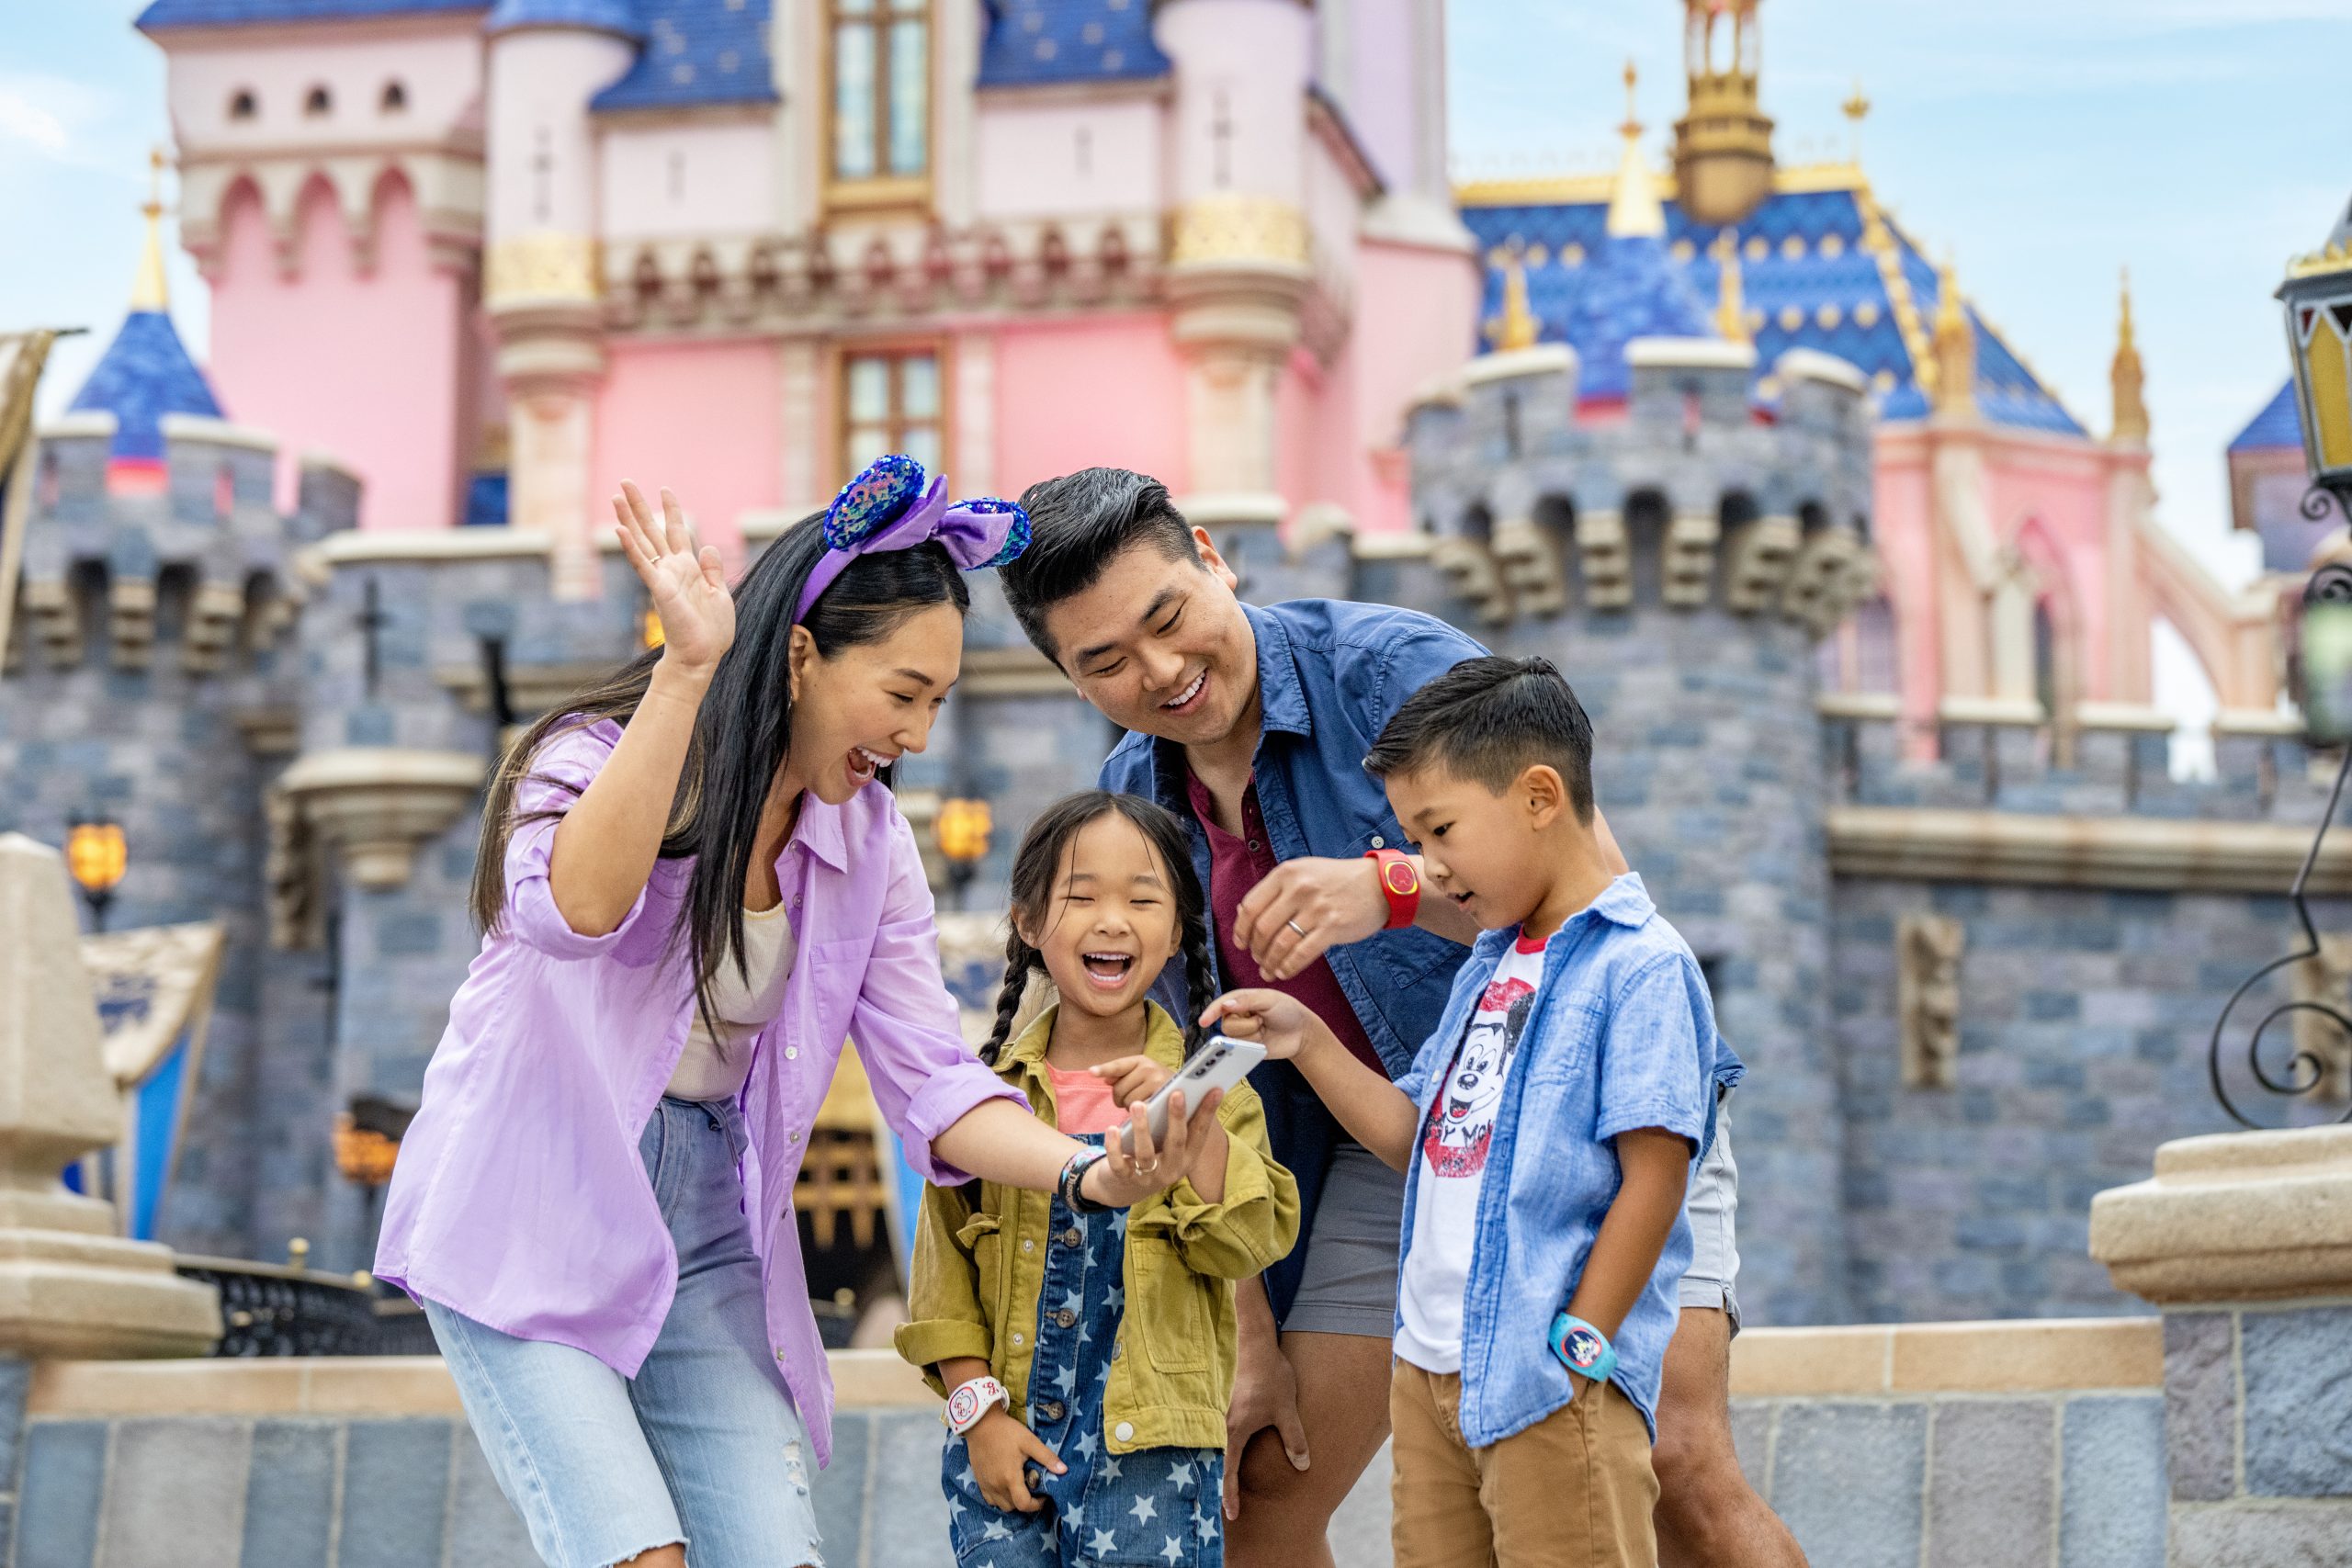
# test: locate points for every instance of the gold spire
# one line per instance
(1517, 327)
(1731, 313)
(1854, 108)
(149, 292)
(1955, 348)
(1634, 206)
(1723, 143)
(2124, 375)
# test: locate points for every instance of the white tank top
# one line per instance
(715, 1068)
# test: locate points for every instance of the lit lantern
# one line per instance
(962, 829)
(649, 635)
(96, 856)
(2318, 297)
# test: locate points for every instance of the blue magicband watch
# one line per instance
(1582, 1349)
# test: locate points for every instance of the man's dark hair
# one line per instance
(1077, 524)
(1491, 719)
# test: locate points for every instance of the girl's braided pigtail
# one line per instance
(1200, 980)
(1019, 959)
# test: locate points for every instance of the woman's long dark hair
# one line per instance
(741, 735)
(1040, 856)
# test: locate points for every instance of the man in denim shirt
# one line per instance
(1251, 724)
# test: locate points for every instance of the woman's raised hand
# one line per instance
(688, 585)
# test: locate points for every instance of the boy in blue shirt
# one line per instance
(1547, 1128)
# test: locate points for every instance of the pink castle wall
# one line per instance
(1414, 306)
(1108, 390)
(370, 368)
(2064, 504)
(704, 418)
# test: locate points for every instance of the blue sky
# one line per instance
(2047, 144)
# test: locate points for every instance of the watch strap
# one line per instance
(1582, 1349)
(1400, 883)
(1073, 1176)
(967, 1401)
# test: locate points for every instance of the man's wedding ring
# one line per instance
(1296, 927)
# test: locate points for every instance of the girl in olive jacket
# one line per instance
(1087, 1354)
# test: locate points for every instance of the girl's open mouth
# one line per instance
(1108, 971)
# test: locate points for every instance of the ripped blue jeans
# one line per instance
(703, 1446)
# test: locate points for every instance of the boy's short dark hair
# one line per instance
(1491, 719)
(1077, 524)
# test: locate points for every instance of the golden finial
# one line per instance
(1731, 312)
(1855, 108)
(1955, 346)
(149, 292)
(1517, 327)
(2126, 377)
(1632, 203)
(1632, 126)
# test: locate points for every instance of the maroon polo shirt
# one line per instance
(1239, 864)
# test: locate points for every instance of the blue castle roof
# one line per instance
(1823, 291)
(145, 374)
(2278, 424)
(1031, 42)
(1630, 288)
(695, 51)
(604, 15)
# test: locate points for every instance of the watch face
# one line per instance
(1400, 878)
(1583, 1348)
(963, 1405)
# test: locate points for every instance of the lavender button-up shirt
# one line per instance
(520, 1200)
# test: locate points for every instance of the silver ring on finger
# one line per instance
(1296, 927)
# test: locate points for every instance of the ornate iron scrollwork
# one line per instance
(2303, 1071)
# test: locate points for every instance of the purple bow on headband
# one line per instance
(888, 508)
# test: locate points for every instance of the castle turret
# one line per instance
(542, 285)
(1723, 143)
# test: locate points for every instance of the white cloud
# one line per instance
(21, 120)
(55, 117)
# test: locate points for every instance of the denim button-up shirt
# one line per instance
(1330, 675)
(1623, 1037)
(520, 1199)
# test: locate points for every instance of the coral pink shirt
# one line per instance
(520, 1199)
(1083, 1102)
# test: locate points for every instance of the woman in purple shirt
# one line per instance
(693, 892)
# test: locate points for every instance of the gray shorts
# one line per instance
(1714, 1207)
(1349, 1283)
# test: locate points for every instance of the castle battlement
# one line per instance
(1688, 492)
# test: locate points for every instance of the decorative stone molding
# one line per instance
(2161, 855)
(1530, 567)
(290, 876)
(2233, 1216)
(1762, 553)
(1688, 560)
(69, 1284)
(378, 805)
(1927, 949)
(2125, 718)
(1471, 572)
(270, 732)
(56, 621)
(131, 621)
(541, 266)
(1230, 227)
(357, 548)
(1993, 713)
(532, 689)
(1605, 559)
(1859, 707)
(214, 612)
(1820, 579)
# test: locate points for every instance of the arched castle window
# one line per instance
(319, 103)
(394, 98)
(242, 105)
(1647, 514)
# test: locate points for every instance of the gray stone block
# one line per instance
(177, 1492)
(1989, 1490)
(2200, 1405)
(908, 1520)
(395, 1493)
(2113, 1481)
(484, 1530)
(289, 1493)
(2298, 1402)
(841, 1491)
(1847, 1479)
(2275, 1535)
(1359, 1533)
(57, 1508)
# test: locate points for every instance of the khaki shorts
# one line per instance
(1573, 1491)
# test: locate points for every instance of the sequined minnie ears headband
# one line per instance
(889, 508)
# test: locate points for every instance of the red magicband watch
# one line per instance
(1400, 880)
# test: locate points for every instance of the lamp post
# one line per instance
(97, 855)
(962, 829)
(2317, 295)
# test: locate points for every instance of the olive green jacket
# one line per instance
(978, 1270)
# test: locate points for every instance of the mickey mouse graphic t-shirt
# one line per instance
(1451, 1167)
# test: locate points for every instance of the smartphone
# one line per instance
(1220, 1063)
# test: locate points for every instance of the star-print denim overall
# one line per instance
(1152, 1509)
